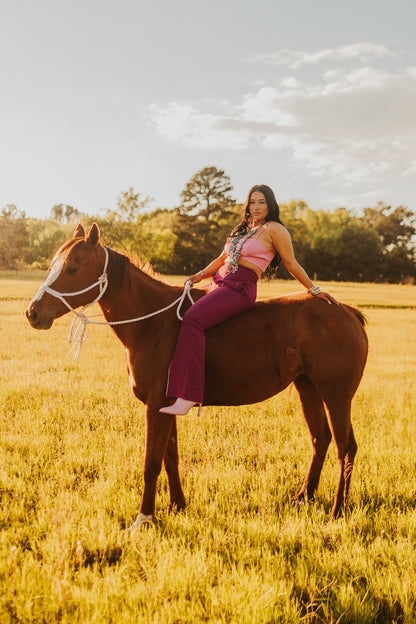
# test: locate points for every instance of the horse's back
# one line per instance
(279, 339)
(292, 316)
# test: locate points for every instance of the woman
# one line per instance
(255, 246)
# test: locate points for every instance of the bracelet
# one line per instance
(314, 290)
(201, 273)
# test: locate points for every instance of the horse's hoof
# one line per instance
(298, 500)
(140, 521)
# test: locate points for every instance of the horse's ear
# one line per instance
(93, 235)
(79, 231)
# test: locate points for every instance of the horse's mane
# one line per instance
(145, 267)
(117, 262)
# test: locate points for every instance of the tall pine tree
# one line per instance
(206, 204)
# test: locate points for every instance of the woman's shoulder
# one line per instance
(276, 228)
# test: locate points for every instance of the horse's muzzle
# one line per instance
(37, 320)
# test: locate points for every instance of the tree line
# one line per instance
(377, 246)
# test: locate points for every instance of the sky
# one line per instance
(315, 99)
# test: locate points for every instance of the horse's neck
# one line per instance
(139, 294)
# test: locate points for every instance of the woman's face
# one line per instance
(258, 208)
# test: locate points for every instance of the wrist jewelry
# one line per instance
(201, 273)
(314, 290)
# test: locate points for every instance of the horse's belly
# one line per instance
(240, 381)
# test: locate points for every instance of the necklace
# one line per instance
(234, 250)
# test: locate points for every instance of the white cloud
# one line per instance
(184, 123)
(365, 104)
(264, 107)
(362, 52)
(354, 124)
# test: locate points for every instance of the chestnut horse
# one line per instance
(321, 348)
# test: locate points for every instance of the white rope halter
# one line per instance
(78, 334)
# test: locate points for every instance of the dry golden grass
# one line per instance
(71, 478)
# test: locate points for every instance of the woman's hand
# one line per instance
(194, 279)
(208, 271)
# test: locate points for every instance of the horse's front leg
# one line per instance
(177, 498)
(158, 428)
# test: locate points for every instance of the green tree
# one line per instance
(121, 228)
(400, 264)
(347, 253)
(121, 235)
(206, 204)
(333, 245)
(57, 212)
(158, 239)
(13, 237)
(45, 236)
(129, 206)
(71, 213)
(394, 227)
(396, 230)
(64, 212)
(293, 218)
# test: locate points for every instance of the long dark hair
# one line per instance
(273, 214)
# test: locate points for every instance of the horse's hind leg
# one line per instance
(315, 416)
(349, 463)
(341, 426)
(177, 498)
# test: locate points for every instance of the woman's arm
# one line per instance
(283, 245)
(209, 270)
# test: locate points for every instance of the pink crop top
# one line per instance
(255, 252)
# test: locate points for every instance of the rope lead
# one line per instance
(78, 333)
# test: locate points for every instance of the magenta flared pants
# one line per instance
(231, 293)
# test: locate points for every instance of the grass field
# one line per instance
(71, 478)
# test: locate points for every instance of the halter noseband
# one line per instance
(78, 334)
(102, 283)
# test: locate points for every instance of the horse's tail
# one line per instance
(358, 314)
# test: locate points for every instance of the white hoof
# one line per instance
(140, 521)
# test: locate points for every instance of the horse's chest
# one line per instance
(130, 371)
(144, 376)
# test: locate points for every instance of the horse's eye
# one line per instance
(71, 270)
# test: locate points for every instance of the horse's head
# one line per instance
(78, 264)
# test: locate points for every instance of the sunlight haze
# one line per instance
(316, 100)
